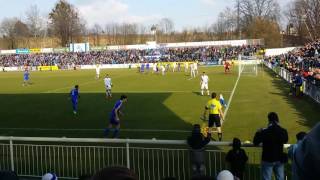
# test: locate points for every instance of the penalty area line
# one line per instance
(71, 86)
(152, 91)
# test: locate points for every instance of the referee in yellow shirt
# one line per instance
(215, 114)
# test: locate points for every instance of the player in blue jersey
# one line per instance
(115, 117)
(147, 67)
(74, 95)
(26, 78)
(142, 68)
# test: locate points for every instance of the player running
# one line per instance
(108, 85)
(227, 66)
(98, 71)
(192, 71)
(215, 114)
(195, 67)
(115, 117)
(186, 67)
(204, 83)
(26, 78)
(74, 95)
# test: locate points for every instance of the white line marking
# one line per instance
(230, 99)
(152, 91)
(126, 130)
(69, 87)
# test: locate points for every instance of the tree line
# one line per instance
(243, 19)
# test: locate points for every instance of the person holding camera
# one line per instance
(197, 142)
(272, 138)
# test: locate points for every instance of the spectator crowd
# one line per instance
(202, 54)
(304, 61)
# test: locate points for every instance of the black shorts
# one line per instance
(214, 120)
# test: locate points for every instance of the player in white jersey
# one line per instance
(192, 71)
(163, 69)
(174, 66)
(97, 71)
(195, 67)
(108, 85)
(204, 83)
(186, 67)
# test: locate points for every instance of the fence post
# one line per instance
(128, 154)
(11, 154)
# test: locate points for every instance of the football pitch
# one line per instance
(162, 107)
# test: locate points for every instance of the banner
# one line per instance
(22, 51)
(13, 51)
(48, 68)
(79, 47)
(60, 50)
(35, 50)
(47, 50)
(98, 48)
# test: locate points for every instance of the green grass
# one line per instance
(155, 102)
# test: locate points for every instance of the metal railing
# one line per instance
(309, 88)
(149, 159)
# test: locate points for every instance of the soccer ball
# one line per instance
(154, 139)
(50, 176)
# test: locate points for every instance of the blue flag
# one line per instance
(222, 101)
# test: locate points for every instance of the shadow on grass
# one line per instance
(51, 115)
(305, 107)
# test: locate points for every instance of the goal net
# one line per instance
(248, 65)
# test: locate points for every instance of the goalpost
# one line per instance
(248, 65)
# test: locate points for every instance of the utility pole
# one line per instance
(238, 19)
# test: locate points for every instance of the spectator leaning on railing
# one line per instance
(304, 60)
(197, 142)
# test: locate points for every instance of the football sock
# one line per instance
(220, 136)
(106, 131)
(116, 133)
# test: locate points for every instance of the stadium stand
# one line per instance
(63, 60)
(305, 60)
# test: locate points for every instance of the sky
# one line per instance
(184, 13)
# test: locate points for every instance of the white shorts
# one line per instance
(108, 87)
(204, 86)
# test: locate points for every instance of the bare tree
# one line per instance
(305, 16)
(226, 24)
(251, 9)
(65, 22)
(96, 31)
(21, 30)
(35, 22)
(7, 29)
(166, 26)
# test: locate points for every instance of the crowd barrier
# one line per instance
(149, 159)
(308, 87)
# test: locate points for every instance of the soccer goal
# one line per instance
(248, 65)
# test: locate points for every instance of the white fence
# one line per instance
(309, 88)
(150, 159)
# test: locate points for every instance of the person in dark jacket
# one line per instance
(272, 138)
(237, 158)
(197, 142)
(307, 156)
(291, 152)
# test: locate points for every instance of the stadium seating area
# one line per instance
(125, 56)
(305, 60)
